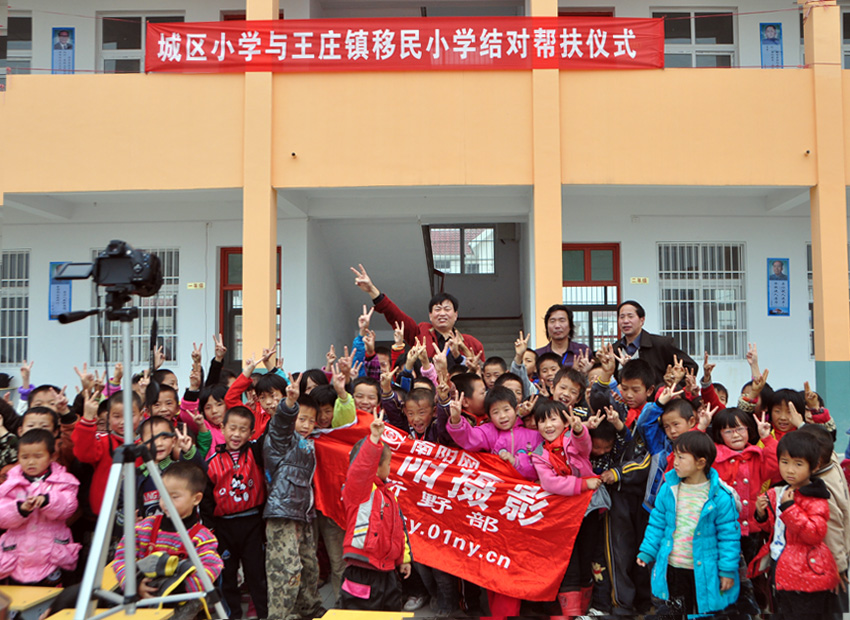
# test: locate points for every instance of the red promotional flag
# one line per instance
(469, 514)
(406, 44)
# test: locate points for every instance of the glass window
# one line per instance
(464, 250)
(698, 38)
(18, 46)
(573, 265)
(122, 41)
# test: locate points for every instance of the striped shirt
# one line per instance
(689, 502)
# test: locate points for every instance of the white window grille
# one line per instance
(464, 249)
(163, 305)
(698, 38)
(122, 40)
(14, 305)
(703, 297)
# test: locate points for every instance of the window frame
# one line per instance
(596, 310)
(462, 228)
(695, 49)
(12, 345)
(104, 55)
(696, 307)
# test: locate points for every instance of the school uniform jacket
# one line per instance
(374, 527)
(239, 486)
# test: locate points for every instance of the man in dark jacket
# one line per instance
(657, 351)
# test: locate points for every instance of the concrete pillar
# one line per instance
(822, 32)
(259, 205)
(546, 233)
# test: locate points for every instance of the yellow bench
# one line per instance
(30, 601)
(141, 614)
(350, 614)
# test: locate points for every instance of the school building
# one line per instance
(685, 188)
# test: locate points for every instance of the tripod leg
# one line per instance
(93, 575)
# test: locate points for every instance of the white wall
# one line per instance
(638, 219)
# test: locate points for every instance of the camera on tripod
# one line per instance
(120, 268)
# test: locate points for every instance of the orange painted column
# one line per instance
(259, 205)
(546, 213)
(831, 303)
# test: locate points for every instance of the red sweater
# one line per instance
(96, 449)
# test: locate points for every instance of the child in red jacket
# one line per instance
(803, 572)
(370, 580)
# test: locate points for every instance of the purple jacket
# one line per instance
(37, 544)
(578, 456)
(519, 441)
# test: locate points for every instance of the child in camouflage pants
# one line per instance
(290, 460)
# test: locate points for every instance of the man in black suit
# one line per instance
(657, 351)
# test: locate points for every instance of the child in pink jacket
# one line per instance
(36, 499)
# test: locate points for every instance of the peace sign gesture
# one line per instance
(184, 439)
(364, 282)
(763, 426)
(377, 427)
(220, 349)
(520, 347)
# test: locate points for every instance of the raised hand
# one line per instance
(398, 333)
(195, 378)
(614, 418)
(691, 384)
(158, 357)
(441, 360)
(293, 390)
(196, 352)
(364, 282)
(414, 352)
(582, 362)
(763, 426)
(220, 349)
(474, 363)
(753, 357)
(338, 379)
(387, 381)
(377, 427)
(249, 364)
(455, 408)
(443, 388)
(596, 419)
(620, 355)
(118, 373)
(26, 373)
(608, 360)
(574, 422)
(267, 358)
(330, 358)
(144, 381)
(707, 368)
(355, 369)
(667, 394)
(705, 414)
(364, 319)
(184, 440)
(198, 419)
(796, 419)
(520, 347)
(369, 342)
(812, 401)
(90, 405)
(526, 406)
(345, 362)
(678, 370)
(86, 377)
(62, 401)
(758, 384)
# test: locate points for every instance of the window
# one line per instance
(591, 274)
(18, 45)
(122, 41)
(230, 300)
(698, 38)
(163, 305)
(14, 305)
(479, 250)
(702, 297)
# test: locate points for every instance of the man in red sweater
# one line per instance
(442, 316)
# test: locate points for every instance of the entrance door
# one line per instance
(230, 303)
(591, 273)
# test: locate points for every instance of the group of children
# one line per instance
(696, 507)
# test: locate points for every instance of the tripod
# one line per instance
(124, 469)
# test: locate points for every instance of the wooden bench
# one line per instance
(30, 601)
(141, 614)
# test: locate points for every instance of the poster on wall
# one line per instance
(770, 42)
(778, 293)
(63, 41)
(60, 293)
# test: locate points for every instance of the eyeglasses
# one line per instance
(738, 430)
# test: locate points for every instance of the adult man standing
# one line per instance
(442, 316)
(657, 350)
(560, 330)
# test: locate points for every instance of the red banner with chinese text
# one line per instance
(406, 44)
(469, 514)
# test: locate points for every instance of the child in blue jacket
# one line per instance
(693, 535)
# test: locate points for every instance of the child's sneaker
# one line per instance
(414, 602)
